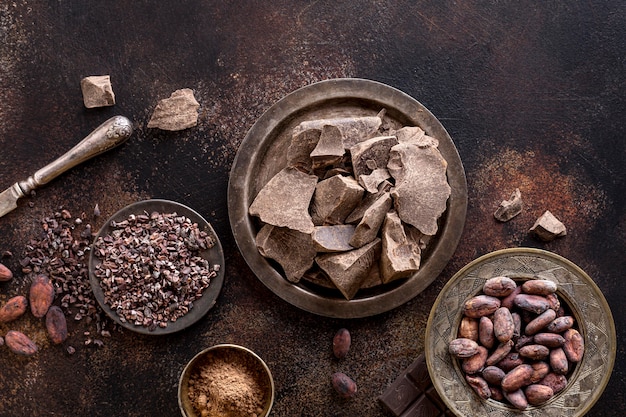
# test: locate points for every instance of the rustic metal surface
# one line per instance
(263, 153)
(576, 289)
(532, 95)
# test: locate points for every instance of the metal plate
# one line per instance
(214, 255)
(575, 288)
(263, 153)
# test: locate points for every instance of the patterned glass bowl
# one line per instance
(575, 288)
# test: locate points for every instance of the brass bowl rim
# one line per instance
(225, 346)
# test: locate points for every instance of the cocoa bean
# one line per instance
(499, 286)
(468, 328)
(41, 295)
(13, 309)
(555, 303)
(540, 322)
(539, 287)
(19, 343)
(479, 385)
(481, 305)
(534, 352)
(5, 273)
(493, 375)
(560, 324)
(344, 385)
(510, 361)
(523, 340)
(503, 326)
(574, 346)
(517, 378)
(508, 300)
(341, 343)
(537, 394)
(532, 303)
(463, 348)
(551, 340)
(485, 332)
(555, 381)
(540, 370)
(558, 361)
(56, 325)
(475, 363)
(496, 393)
(501, 351)
(517, 399)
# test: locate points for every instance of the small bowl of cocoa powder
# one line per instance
(226, 381)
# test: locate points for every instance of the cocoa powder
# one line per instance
(227, 385)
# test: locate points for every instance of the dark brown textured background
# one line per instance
(532, 93)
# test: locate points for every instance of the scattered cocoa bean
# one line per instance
(517, 325)
(532, 303)
(13, 309)
(537, 394)
(508, 300)
(344, 385)
(479, 385)
(517, 378)
(341, 343)
(496, 393)
(558, 361)
(56, 325)
(560, 324)
(485, 332)
(523, 340)
(540, 322)
(501, 351)
(493, 375)
(517, 399)
(463, 348)
(5, 273)
(19, 343)
(468, 328)
(481, 305)
(475, 363)
(503, 326)
(499, 286)
(555, 303)
(574, 345)
(540, 370)
(41, 295)
(539, 287)
(551, 340)
(555, 381)
(510, 361)
(534, 352)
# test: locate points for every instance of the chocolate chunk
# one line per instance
(178, 112)
(548, 227)
(509, 208)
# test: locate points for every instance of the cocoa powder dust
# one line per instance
(227, 385)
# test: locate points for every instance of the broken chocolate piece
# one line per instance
(359, 211)
(178, 112)
(371, 154)
(300, 148)
(415, 136)
(372, 181)
(97, 91)
(353, 129)
(373, 218)
(548, 227)
(334, 200)
(333, 238)
(348, 270)
(401, 253)
(509, 208)
(284, 200)
(293, 250)
(329, 149)
(421, 189)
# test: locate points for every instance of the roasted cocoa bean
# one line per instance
(558, 361)
(341, 343)
(19, 343)
(496, 393)
(481, 305)
(555, 381)
(56, 325)
(551, 340)
(517, 378)
(493, 375)
(510, 361)
(13, 309)
(41, 295)
(468, 328)
(560, 324)
(503, 326)
(537, 394)
(517, 326)
(532, 303)
(475, 363)
(485, 332)
(534, 352)
(499, 286)
(540, 370)
(574, 346)
(344, 385)
(516, 398)
(539, 287)
(508, 300)
(501, 351)
(463, 348)
(5, 273)
(523, 340)
(479, 385)
(540, 322)
(555, 303)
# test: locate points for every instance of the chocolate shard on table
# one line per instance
(348, 270)
(293, 250)
(367, 229)
(372, 181)
(509, 208)
(401, 252)
(334, 200)
(97, 91)
(178, 112)
(353, 129)
(333, 238)
(421, 188)
(371, 154)
(548, 227)
(284, 200)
